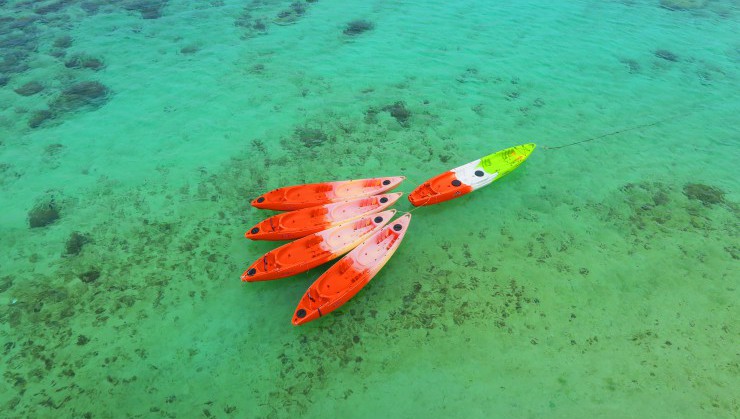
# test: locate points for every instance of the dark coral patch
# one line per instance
(357, 27)
(43, 214)
(39, 117)
(80, 61)
(682, 4)
(149, 9)
(90, 276)
(311, 137)
(399, 111)
(291, 14)
(53, 7)
(75, 243)
(85, 94)
(64, 41)
(30, 88)
(190, 49)
(666, 55)
(708, 195)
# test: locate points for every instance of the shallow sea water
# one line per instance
(597, 280)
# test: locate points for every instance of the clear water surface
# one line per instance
(599, 279)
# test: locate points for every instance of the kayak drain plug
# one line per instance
(300, 313)
(456, 183)
(383, 200)
(251, 272)
(397, 227)
(479, 173)
(378, 219)
(261, 199)
(254, 230)
(386, 182)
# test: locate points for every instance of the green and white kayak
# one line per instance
(469, 177)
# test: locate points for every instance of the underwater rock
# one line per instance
(90, 7)
(90, 276)
(399, 111)
(708, 195)
(43, 214)
(4, 80)
(259, 26)
(83, 61)
(311, 137)
(84, 94)
(632, 65)
(52, 7)
(298, 7)
(75, 243)
(190, 49)
(30, 88)
(64, 41)
(292, 14)
(39, 117)
(371, 115)
(357, 27)
(14, 62)
(6, 283)
(257, 69)
(666, 55)
(682, 4)
(82, 340)
(149, 9)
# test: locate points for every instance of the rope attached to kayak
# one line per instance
(620, 131)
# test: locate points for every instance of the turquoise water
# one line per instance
(599, 279)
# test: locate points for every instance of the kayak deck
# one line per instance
(316, 249)
(300, 223)
(313, 194)
(471, 176)
(347, 277)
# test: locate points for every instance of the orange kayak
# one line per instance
(313, 250)
(312, 194)
(299, 223)
(347, 277)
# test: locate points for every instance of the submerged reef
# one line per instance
(82, 61)
(43, 214)
(30, 88)
(632, 65)
(90, 275)
(189, 49)
(400, 112)
(683, 4)
(311, 137)
(357, 27)
(64, 41)
(75, 243)
(397, 110)
(656, 207)
(257, 14)
(149, 9)
(39, 117)
(84, 94)
(87, 95)
(708, 195)
(291, 15)
(666, 55)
